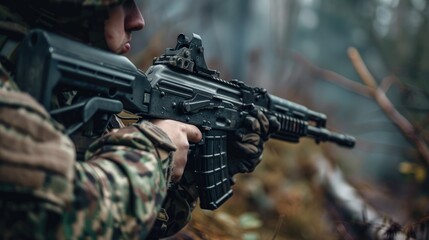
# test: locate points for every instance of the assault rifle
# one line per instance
(178, 86)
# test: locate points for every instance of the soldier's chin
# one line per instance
(125, 48)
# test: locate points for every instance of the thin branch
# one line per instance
(333, 77)
(387, 82)
(362, 70)
(386, 105)
(373, 90)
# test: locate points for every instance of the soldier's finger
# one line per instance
(252, 124)
(193, 133)
(263, 122)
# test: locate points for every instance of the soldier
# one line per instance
(118, 189)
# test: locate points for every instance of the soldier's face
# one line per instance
(122, 21)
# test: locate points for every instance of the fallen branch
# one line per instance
(349, 200)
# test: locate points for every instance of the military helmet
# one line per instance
(79, 19)
(88, 2)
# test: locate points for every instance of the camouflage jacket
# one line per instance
(115, 193)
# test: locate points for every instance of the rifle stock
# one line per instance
(177, 86)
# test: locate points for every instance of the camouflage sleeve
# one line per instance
(119, 190)
(36, 168)
(46, 194)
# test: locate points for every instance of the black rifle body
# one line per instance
(179, 86)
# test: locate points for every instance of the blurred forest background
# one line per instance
(365, 64)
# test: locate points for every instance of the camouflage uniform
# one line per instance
(115, 193)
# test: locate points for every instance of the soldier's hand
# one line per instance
(181, 135)
(247, 143)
